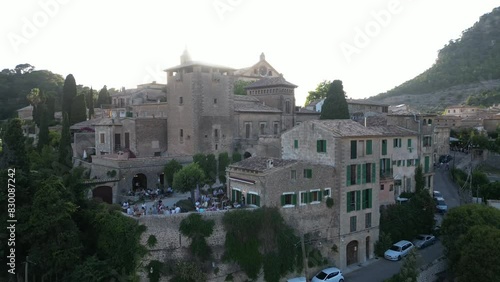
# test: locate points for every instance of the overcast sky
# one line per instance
(371, 45)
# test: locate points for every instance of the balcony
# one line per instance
(386, 174)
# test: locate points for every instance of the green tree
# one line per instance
(36, 99)
(335, 105)
(65, 151)
(171, 168)
(457, 224)
(14, 153)
(198, 229)
(188, 178)
(236, 157)
(90, 103)
(239, 87)
(211, 169)
(319, 93)
(78, 110)
(409, 271)
(419, 179)
(104, 98)
(478, 260)
(69, 92)
(43, 135)
(223, 164)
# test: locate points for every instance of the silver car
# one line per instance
(423, 241)
(441, 205)
(398, 250)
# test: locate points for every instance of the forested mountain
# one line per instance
(16, 84)
(473, 60)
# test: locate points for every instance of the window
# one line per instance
(427, 164)
(307, 173)
(157, 154)
(321, 146)
(101, 138)
(248, 129)
(384, 147)
(181, 100)
(381, 187)
(288, 199)
(216, 133)
(368, 220)
(293, 174)
(215, 101)
(354, 149)
(367, 199)
(396, 143)
(287, 106)
(181, 135)
(408, 162)
(296, 144)
(353, 174)
(253, 199)
(303, 198)
(262, 128)
(391, 187)
(353, 200)
(353, 223)
(276, 128)
(409, 143)
(361, 148)
(369, 144)
(327, 192)
(315, 196)
(427, 141)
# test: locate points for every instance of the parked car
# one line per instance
(437, 194)
(398, 250)
(423, 241)
(331, 274)
(445, 159)
(441, 205)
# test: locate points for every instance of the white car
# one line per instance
(437, 194)
(331, 274)
(398, 250)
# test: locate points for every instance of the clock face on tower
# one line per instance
(263, 71)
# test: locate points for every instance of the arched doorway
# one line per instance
(103, 192)
(352, 252)
(139, 182)
(367, 248)
(247, 155)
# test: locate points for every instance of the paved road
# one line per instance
(381, 269)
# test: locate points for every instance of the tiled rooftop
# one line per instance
(345, 128)
(393, 130)
(245, 98)
(253, 107)
(261, 163)
(273, 81)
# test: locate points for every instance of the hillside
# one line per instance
(467, 66)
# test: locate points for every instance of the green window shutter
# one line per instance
(417, 162)
(318, 146)
(354, 149)
(257, 200)
(358, 176)
(324, 146)
(358, 200)
(320, 195)
(349, 194)
(282, 200)
(374, 173)
(426, 165)
(249, 201)
(408, 162)
(307, 198)
(364, 201)
(348, 179)
(384, 147)
(409, 143)
(363, 175)
(394, 143)
(294, 199)
(233, 195)
(295, 144)
(369, 147)
(370, 198)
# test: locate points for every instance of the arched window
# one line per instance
(287, 106)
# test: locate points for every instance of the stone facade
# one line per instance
(351, 150)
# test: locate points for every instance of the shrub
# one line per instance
(185, 205)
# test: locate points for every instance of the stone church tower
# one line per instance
(200, 108)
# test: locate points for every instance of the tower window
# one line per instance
(181, 100)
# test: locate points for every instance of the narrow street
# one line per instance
(381, 269)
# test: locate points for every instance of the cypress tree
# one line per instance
(90, 103)
(78, 110)
(43, 135)
(69, 92)
(14, 153)
(103, 98)
(335, 106)
(65, 151)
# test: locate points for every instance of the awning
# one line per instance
(246, 181)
